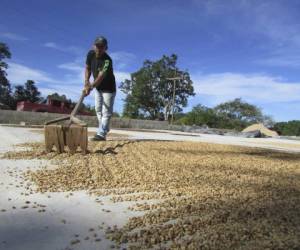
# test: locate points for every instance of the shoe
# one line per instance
(98, 138)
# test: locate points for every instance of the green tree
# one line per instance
(290, 128)
(89, 108)
(200, 115)
(268, 121)
(59, 97)
(19, 94)
(149, 92)
(5, 88)
(27, 92)
(116, 114)
(131, 107)
(237, 114)
(32, 93)
(72, 104)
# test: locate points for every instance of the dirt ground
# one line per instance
(193, 195)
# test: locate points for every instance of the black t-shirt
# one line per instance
(104, 63)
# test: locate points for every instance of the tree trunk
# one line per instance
(167, 112)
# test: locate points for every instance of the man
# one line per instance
(99, 64)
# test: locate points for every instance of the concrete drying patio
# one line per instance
(74, 220)
(66, 215)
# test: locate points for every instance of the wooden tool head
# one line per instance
(72, 136)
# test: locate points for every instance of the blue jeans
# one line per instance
(104, 103)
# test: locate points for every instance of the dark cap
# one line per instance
(101, 40)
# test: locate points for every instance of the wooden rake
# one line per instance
(71, 134)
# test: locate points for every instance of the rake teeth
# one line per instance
(76, 136)
(72, 136)
(54, 136)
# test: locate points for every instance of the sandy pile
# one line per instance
(210, 196)
(264, 130)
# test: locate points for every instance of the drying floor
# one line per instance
(192, 195)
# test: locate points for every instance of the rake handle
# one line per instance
(72, 115)
(58, 120)
(76, 108)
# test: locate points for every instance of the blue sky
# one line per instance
(234, 48)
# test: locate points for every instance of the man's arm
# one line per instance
(87, 84)
(101, 75)
(98, 80)
(87, 76)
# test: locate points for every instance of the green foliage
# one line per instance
(19, 94)
(200, 115)
(149, 92)
(88, 108)
(237, 109)
(58, 97)
(289, 128)
(178, 117)
(63, 98)
(5, 88)
(237, 114)
(131, 109)
(4, 54)
(29, 92)
(32, 92)
(234, 114)
(116, 114)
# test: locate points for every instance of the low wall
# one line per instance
(36, 118)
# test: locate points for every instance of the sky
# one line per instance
(247, 49)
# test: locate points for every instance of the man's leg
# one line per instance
(98, 107)
(107, 111)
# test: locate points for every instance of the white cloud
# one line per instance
(284, 60)
(255, 88)
(272, 25)
(275, 20)
(51, 45)
(13, 36)
(280, 34)
(73, 66)
(277, 25)
(19, 74)
(71, 84)
(75, 72)
(282, 30)
(122, 59)
(219, 87)
(121, 76)
(78, 72)
(71, 49)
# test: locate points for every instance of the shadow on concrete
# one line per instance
(112, 150)
(31, 230)
(256, 152)
(241, 215)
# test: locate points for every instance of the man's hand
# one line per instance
(87, 82)
(87, 89)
